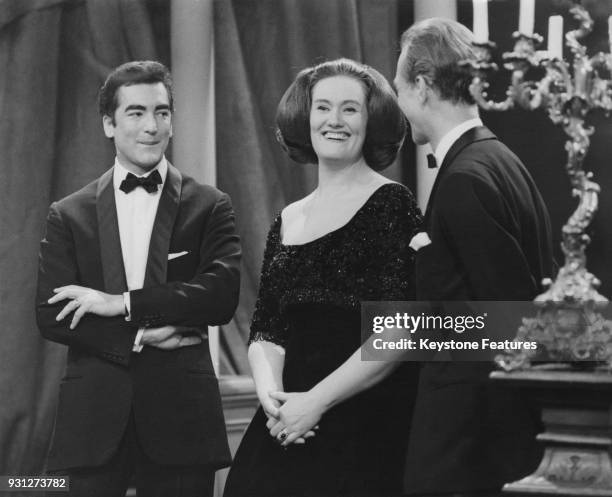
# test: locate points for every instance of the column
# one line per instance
(425, 177)
(193, 72)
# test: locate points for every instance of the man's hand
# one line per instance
(171, 337)
(298, 417)
(84, 300)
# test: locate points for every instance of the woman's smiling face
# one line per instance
(338, 119)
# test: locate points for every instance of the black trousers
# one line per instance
(131, 464)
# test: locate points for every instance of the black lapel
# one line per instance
(470, 136)
(108, 233)
(157, 261)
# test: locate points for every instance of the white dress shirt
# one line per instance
(452, 136)
(136, 214)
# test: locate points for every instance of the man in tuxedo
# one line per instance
(488, 238)
(133, 268)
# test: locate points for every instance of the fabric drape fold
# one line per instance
(58, 54)
(259, 48)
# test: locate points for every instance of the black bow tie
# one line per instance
(149, 183)
(431, 161)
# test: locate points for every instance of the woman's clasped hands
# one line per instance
(296, 419)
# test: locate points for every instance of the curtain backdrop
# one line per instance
(259, 48)
(56, 55)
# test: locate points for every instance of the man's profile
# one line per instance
(488, 238)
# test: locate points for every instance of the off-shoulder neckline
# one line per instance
(332, 232)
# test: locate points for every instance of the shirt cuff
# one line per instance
(137, 347)
(127, 304)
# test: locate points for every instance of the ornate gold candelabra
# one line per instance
(569, 326)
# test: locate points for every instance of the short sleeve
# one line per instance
(401, 221)
(267, 323)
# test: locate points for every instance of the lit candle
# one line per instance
(526, 17)
(481, 21)
(555, 37)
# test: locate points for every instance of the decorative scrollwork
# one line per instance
(568, 93)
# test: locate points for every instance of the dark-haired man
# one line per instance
(489, 237)
(133, 268)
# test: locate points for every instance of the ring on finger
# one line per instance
(282, 436)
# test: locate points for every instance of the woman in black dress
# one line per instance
(329, 423)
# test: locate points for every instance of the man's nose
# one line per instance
(150, 124)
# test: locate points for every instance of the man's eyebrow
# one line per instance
(135, 107)
(143, 108)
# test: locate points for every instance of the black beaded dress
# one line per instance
(308, 303)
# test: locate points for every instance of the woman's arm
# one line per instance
(267, 360)
(268, 333)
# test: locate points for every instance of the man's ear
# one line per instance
(109, 126)
(423, 89)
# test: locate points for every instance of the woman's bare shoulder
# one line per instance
(295, 209)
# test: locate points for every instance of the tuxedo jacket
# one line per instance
(174, 394)
(490, 240)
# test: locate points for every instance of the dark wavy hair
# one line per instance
(132, 73)
(386, 125)
(433, 49)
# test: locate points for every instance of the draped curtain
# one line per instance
(259, 48)
(55, 55)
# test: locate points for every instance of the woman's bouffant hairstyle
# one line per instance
(132, 73)
(386, 125)
(434, 47)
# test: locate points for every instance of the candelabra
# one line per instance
(569, 326)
